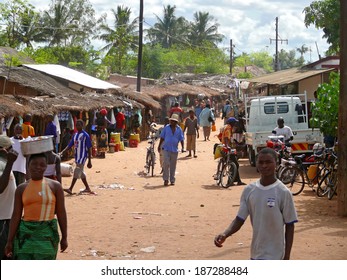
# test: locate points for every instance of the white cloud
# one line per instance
(249, 23)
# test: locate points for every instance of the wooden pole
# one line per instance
(139, 57)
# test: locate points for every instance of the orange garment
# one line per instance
(28, 130)
(38, 201)
(227, 133)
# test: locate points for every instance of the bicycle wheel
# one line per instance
(148, 162)
(333, 185)
(152, 162)
(293, 178)
(327, 185)
(228, 174)
(219, 171)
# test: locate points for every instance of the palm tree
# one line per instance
(169, 30)
(122, 38)
(69, 22)
(30, 28)
(302, 50)
(202, 30)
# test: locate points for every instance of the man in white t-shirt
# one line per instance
(19, 166)
(270, 205)
(7, 189)
(284, 130)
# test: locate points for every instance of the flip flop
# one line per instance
(86, 192)
(68, 191)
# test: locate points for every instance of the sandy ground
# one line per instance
(133, 216)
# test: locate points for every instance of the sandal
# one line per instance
(87, 192)
(68, 191)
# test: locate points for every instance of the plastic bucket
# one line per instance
(312, 173)
(133, 143)
(115, 137)
(135, 137)
(117, 147)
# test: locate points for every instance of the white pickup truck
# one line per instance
(261, 118)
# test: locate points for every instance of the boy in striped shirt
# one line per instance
(83, 150)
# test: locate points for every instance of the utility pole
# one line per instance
(277, 63)
(139, 56)
(231, 57)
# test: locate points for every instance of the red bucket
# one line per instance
(117, 147)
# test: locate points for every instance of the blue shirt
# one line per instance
(51, 129)
(82, 143)
(171, 140)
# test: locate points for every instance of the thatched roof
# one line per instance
(158, 92)
(141, 97)
(9, 52)
(51, 96)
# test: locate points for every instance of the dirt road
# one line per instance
(134, 216)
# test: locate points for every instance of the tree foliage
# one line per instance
(69, 23)
(22, 24)
(325, 15)
(202, 30)
(169, 30)
(325, 108)
(288, 59)
(121, 39)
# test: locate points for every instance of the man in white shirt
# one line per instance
(284, 130)
(7, 189)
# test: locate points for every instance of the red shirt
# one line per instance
(120, 118)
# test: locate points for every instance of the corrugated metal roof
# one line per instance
(72, 75)
(288, 76)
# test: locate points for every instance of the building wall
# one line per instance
(309, 86)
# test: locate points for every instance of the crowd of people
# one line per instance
(32, 196)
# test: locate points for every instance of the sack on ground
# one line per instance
(217, 151)
(66, 170)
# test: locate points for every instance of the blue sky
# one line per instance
(249, 23)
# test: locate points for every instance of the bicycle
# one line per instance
(328, 184)
(150, 155)
(226, 168)
(294, 173)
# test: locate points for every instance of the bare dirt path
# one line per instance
(134, 216)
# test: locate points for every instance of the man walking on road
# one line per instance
(83, 150)
(171, 135)
(192, 128)
(270, 205)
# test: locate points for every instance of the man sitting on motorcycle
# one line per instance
(227, 140)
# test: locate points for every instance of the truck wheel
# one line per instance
(251, 156)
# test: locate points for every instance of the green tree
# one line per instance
(170, 30)
(152, 64)
(325, 15)
(325, 108)
(288, 59)
(21, 23)
(202, 30)
(120, 40)
(262, 60)
(69, 23)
